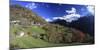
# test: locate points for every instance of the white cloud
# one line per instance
(91, 9)
(48, 20)
(73, 10)
(72, 15)
(31, 6)
(57, 18)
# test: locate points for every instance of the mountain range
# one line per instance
(84, 24)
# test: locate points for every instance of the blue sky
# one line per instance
(52, 11)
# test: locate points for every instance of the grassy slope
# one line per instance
(27, 42)
(30, 42)
(35, 29)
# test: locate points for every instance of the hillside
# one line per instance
(19, 13)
